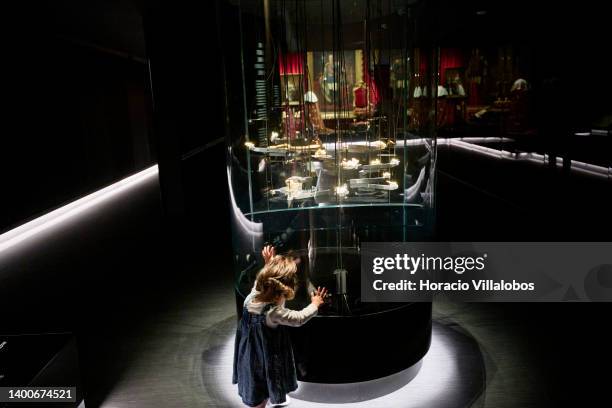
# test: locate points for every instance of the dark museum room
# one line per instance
(306, 203)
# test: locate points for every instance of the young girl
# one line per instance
(264, 368)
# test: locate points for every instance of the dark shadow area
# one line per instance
(77, 105)
(492, 199)
(481, 198)
(78, 120)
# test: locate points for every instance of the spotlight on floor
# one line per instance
(450, 375)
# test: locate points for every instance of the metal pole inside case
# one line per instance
(341, 281)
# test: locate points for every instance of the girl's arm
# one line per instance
(295, 318)
(287, 317)
(268, 252)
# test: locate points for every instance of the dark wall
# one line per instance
(77, 108)
(563, 48)
(188, 88)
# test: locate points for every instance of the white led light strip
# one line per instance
(62, 214)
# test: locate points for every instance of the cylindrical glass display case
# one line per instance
(331, 116)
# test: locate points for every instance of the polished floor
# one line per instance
(499, 355)
(182, 357)
(152, 302)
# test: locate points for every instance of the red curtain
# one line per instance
(291, 64)
(449, 58)
(370, 83)
(423, 66)
(361, 98)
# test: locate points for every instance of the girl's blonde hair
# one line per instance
(277, 278)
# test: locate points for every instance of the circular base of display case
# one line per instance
(356, 391)
(356, 348)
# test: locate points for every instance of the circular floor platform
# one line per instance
(451, 375)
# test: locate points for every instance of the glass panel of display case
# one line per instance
(331, 142)
(336, 143)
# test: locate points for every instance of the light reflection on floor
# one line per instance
(451, 375)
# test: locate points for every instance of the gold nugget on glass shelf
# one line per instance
(342, 191)
(378, 144)
(297, 188)
(350, 164)
(294, 184)
(364, 147)
(294, 148)
(377, 165)
(321, 154)
(393, 185)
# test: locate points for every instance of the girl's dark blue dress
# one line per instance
(263, 360)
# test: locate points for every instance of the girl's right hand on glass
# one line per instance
(318, 296)
(268, 252)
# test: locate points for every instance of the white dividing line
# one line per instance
(62, 214)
